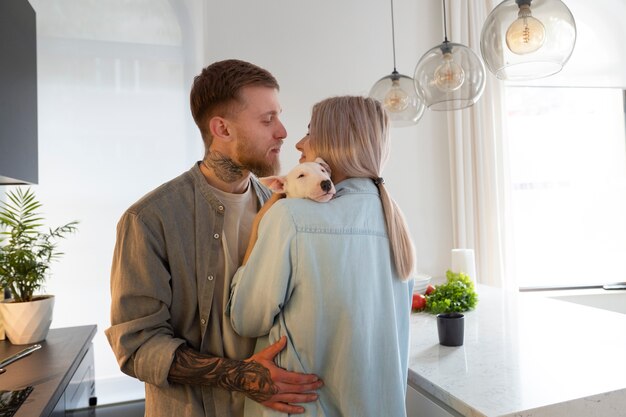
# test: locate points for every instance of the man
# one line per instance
(177, 249)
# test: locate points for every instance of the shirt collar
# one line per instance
(356, 185)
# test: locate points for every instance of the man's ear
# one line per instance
(219, 127)
(324, 164)
(275, 183)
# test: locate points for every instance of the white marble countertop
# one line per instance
(524, 355)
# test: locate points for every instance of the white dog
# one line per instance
(306, 180)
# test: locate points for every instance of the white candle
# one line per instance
(463, 261)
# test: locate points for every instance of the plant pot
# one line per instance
(27, 322)
(450, 327)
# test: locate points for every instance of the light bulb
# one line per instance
(396, 99)
(449, 76)
(526, 34)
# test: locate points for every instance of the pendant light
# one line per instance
(397, 93)
(527, 39)
(449, 76)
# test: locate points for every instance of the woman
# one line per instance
(333, 277)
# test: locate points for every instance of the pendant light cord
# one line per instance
(393, 38)
(445, 26)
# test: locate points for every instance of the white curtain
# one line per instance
(478, 160)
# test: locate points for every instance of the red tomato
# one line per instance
(419, 302)
(429, 290)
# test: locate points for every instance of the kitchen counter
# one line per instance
(524, 355)
(61, 373)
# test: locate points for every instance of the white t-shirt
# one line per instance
(239, 212)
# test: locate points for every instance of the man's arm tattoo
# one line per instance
(251, 378)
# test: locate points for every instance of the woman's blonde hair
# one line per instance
(352, 134)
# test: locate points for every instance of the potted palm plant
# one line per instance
(26, 252)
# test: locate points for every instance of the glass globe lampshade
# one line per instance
(399, 98)
(527, 39)
(449, 76)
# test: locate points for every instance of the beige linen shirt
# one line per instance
(163, 278)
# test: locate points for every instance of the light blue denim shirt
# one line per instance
(322, 275)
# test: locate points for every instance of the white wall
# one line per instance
(102, 148)
(324, 48)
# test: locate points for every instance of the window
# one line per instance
(568, 185)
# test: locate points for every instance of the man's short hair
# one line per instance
(216, 90)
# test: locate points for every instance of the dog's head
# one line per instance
(306, 180)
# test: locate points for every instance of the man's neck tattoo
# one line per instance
(224, 168)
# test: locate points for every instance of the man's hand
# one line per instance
(280, 389)
(257, 377)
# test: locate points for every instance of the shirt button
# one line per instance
(216, 236)
(203, 321)
(210, 277)
(221, 208)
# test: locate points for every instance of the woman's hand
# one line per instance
(257, 219)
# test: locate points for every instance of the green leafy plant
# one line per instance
(25, 251)
(456, 295)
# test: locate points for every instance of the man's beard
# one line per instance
(229, 171)
(257, 164)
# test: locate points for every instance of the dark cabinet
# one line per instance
(18, 93)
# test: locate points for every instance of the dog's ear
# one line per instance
(324, 164)
(275, 183)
